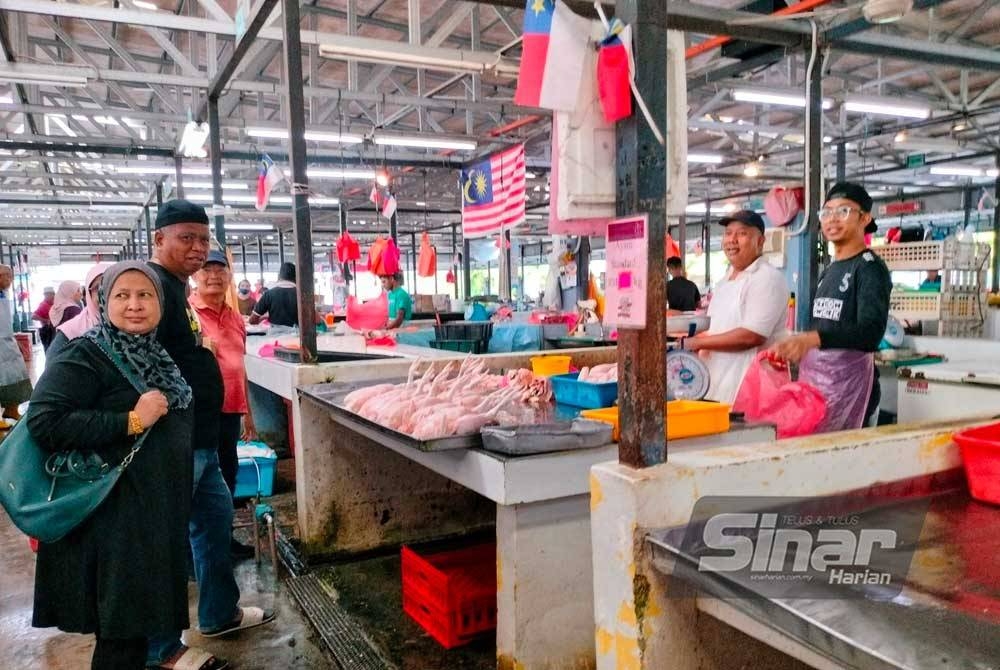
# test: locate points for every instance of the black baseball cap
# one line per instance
(180, 211)
(746, 217)
(216, 256)
(856, 193)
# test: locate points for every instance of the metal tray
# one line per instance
(332, 396)
(544, 438)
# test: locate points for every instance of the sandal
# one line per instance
(249, 617)
(193, 658)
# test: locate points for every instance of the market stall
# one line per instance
(364, 492)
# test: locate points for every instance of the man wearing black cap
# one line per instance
(850, 312)
(181, 246)
(748, 308)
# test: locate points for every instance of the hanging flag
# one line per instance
(376, 197)
(389, 206)
(615, 72)
(493, 193)
(553, 51)
(269, 175)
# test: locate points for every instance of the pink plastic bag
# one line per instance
(370, 315)
(768, 394)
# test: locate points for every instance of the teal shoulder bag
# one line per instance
(48, 494)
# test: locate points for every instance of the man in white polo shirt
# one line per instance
(748, 309)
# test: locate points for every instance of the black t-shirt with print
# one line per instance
(180, 334)
(852, 303)
(281, 306)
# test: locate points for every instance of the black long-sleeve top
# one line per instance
(851, 307)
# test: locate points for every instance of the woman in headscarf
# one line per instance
(70, 329)
(67, 303)
(122, 574)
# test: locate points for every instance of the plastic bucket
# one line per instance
(24, 341)
(546, 366)
(980, 449)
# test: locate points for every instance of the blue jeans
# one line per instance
(211, 528)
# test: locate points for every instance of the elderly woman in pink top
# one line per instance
(82, 320)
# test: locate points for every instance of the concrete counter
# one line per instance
(364, 492)
(640, 626)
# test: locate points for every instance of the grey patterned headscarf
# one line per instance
(143, 353)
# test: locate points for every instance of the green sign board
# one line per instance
(916, 160)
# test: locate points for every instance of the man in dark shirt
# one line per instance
(280, 304)
(851, 307)
(682, 294)
(181, 246)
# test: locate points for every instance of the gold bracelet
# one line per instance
(135, 426)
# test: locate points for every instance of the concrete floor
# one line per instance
(289, 642)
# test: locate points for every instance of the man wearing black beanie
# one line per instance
(181, 245)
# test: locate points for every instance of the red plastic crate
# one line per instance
(451, 594)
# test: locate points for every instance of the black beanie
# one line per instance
(180, 211)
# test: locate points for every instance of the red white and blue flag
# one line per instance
(269, 175)
(615, 72)
(493, 193)
(553, 52)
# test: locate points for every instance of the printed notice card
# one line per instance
(627, 249)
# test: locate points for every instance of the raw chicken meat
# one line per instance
(436, 404)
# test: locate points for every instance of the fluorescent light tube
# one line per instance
(310, 135)
(424, 142)
(320, 201)
(237, 227)
(384, 51)
(226, 198)
(957, 170)
(888, 107)
(992, 172)
(704, 158)
(322, 173)
(774, 97)
(158, 169)
(142, 4)
(226, 185)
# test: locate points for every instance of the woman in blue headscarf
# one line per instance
(122, 574)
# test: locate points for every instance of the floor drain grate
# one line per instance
(343, 637)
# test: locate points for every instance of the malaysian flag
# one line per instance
(493, 193)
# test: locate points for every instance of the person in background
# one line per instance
(111, 576)
(70, 329)
(682, 293)
(15, 384)
(245, 298)
(748, 309)
(279, 304)
(932, 281)
(41, 315)
(67, 303)
(849, 314)
(181, 245)
(259, 290)
(400, 302)
(227, 334)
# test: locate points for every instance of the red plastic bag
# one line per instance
(347, 248)
(370, 315)
(383, 257)
(671, 248)
(768, 394)
(427, 260)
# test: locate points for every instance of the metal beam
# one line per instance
(261, 12)
(216, 156)
(302, 223)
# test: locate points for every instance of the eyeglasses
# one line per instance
(842, 212)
